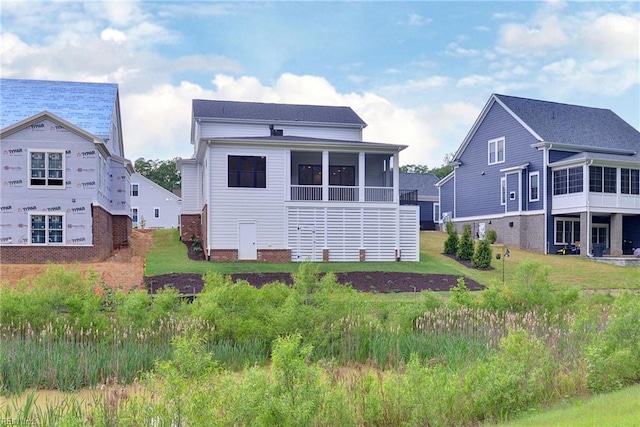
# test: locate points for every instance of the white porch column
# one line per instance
(396, 177)
(287, 175)
(361, 177)
(325, 176)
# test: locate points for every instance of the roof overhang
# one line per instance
(445, 179)
(46, 115)
(581, 148)
(515, 168)
(308, 144)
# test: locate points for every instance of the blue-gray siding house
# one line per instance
(424, 186)
(545, 175)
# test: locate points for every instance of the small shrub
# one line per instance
(482, 255)
(465, 247)
(451, 244)
(491, 236)
(460, 294)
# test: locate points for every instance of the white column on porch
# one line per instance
(361, 177)
(396, 177)
(287, 175)
(325, 176)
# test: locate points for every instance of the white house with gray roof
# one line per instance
(545, 175)
(65, 180)
(281, 182)
(153, 206)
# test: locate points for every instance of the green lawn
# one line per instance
(169, 255)
(619, 409)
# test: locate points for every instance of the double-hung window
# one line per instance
(46, 169)
(247, 171)
(134, 190)
(534, 186)
(46, 229)
(630, 181)
(496, 151)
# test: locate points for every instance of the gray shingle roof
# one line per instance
(573, 124)
(425, 183)
(89, 106)
(585, 155)
(236, 110)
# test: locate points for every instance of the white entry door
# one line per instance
(247, 249)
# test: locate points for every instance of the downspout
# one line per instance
(545, 160)
(587, 191)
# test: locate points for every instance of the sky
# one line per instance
(418, 73)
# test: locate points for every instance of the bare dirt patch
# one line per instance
(124, 268)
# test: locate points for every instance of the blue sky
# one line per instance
(417, 72)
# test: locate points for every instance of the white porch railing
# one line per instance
(341, 193)
(378, 194)
(306, 192)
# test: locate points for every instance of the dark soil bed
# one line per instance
(190, 283)
(369, 281)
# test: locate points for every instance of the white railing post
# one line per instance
(325, 175)
(361, 176)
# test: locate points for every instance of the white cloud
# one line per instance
(533, 39)
(416, 20)
(613, 37)
(475, 80)
(156, 124)
(110, 34)
(453, 49)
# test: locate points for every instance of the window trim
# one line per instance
(632, 183)
(537, 175)
(565, 220)
(503, 191)
(47, 229)
(496, 143)
(436, 218)
(567, 188)
(136, 216)
(47, 186)
(156, 212)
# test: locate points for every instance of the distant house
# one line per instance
(545, 175)
(65, 180)
(281, 182)
(153, 206)
(426, 196)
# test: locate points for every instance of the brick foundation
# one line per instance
(274, 255)
(264, 255)
(363, 255)
(224, 255)
(190, 224)
(106, 228)
(325, 255)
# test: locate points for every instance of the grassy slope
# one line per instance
(619, 409)
(169, 255)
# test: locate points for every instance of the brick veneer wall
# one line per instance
(190, 224)
(264, 255)
(274, 255)
(102, 245)
(122, 229)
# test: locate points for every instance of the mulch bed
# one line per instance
(363, 281)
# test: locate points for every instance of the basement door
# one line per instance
(247, 233)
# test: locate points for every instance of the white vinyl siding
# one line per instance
(244, 130)
(228, 206)
(410, 233)
(191, 189)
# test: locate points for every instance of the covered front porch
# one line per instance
(339, 176)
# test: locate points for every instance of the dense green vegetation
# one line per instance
(318, 353)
